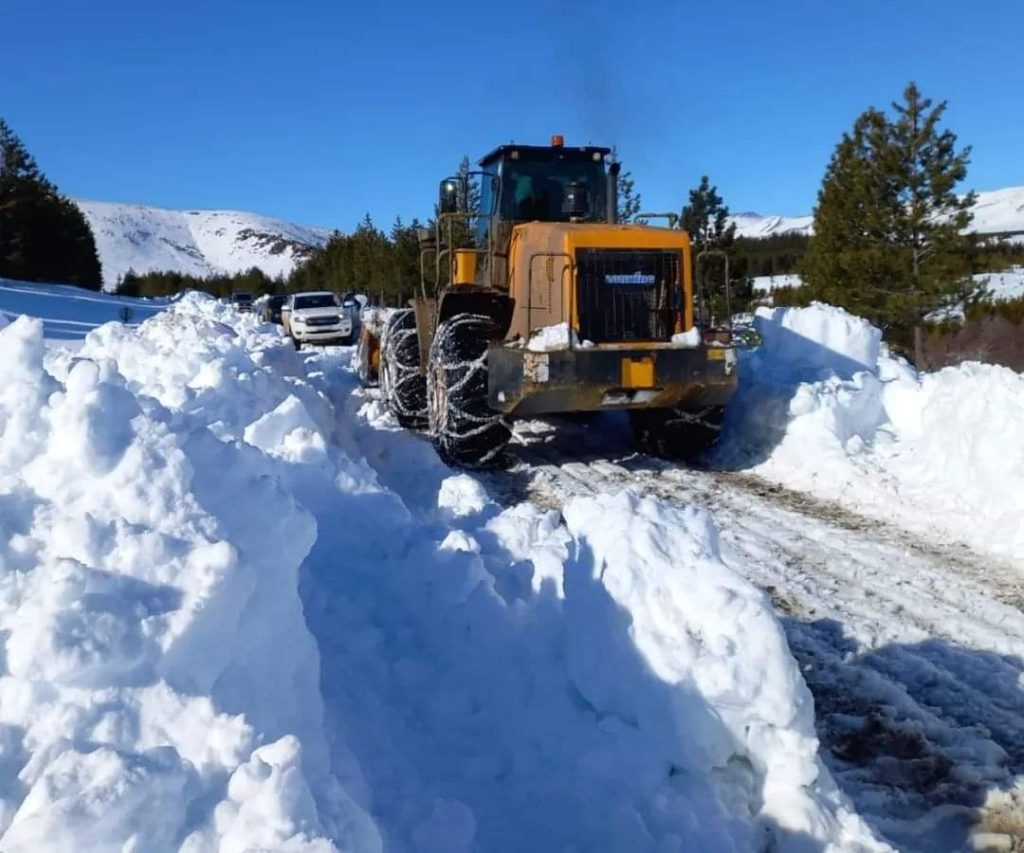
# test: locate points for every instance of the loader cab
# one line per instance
(546, 183)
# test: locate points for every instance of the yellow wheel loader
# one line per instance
(536, 301)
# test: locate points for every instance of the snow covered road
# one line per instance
(240, 609)
(913, 650)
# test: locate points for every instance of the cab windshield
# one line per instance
(317, 300)
(536, 189)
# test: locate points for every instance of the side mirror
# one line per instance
(448, 197)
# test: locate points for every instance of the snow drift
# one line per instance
(69, 312)
(823, 408)
(508, 679)
(240, 611)
(146, 701)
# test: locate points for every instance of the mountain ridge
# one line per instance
(995, 212)
(202, 243)
(223, 242)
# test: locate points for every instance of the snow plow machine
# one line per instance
(536, 301)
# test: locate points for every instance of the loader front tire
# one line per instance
(465, 430)
(677, 434)
(402, 385)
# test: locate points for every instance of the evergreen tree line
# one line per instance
(152, 284)
(385, 266)
(44, 237)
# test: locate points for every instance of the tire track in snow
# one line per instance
(912, 649)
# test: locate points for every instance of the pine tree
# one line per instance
(405, 280)
(43, 235)
(130, 284)
(629, 200)
(469, 186)
(629, 204)
(705, 218)
(888, 241)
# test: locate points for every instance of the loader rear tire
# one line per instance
(403, 386)
(676, 433)
(465, 430)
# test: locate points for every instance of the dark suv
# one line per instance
(271, 312)
(242, 301)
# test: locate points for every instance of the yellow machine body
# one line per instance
(543, 273)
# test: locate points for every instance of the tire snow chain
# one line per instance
(696, 418)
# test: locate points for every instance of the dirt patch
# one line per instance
(1000, 823)
(990, 338)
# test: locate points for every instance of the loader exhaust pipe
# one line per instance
(613, 191)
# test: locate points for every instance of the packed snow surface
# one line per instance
(823, 409)
(194, 242)
(241, 611)
(1001, 286)
(70, 313)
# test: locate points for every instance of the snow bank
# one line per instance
(241, 613)
(508, 680)
(663, 638)
(808, 342)
(822, 408)
(69, 313)
(148, 572)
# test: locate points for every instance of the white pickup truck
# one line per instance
(316, 317)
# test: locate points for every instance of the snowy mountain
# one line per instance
(195, 242)
(211, 242)
(996, 211)
(755, 225)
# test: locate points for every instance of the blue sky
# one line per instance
(319, 111)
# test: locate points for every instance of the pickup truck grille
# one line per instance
(321, 321)
(627, 294)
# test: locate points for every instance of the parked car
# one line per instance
(271, 311)
(316, 318)
(242, 301)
